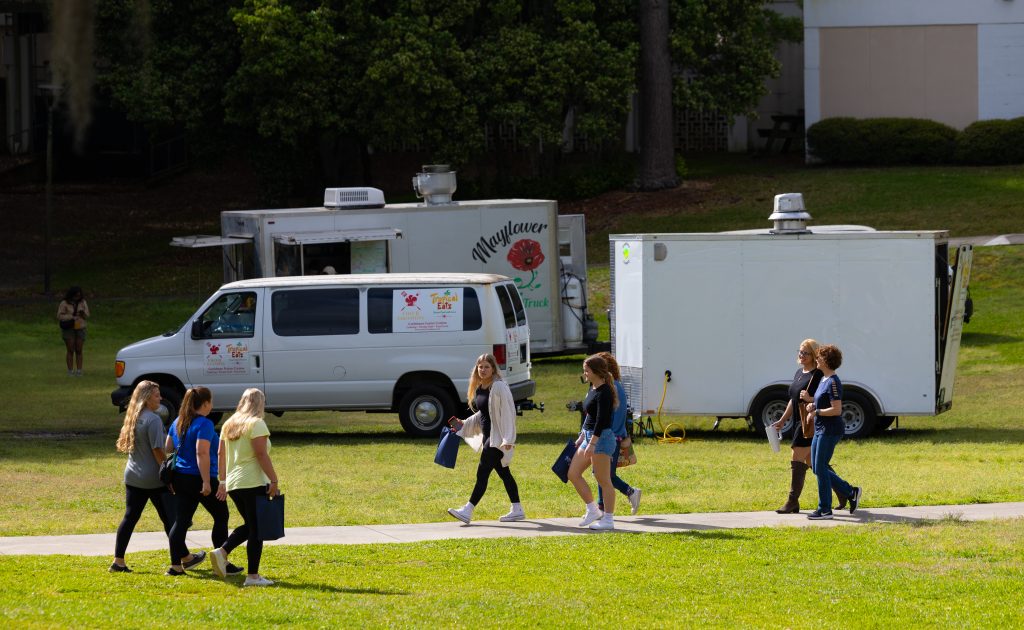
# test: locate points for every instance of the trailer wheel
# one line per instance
(170, 403)
(424, 409)
(768, 407)
(858, 415)
(884, 422)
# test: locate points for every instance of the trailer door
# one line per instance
(951, 331)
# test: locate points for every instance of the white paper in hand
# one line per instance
(773, 438)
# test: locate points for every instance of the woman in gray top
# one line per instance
(142, 439)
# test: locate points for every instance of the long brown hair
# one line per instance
(195, 398)
(141, 394)
(599, 367)
(613, 365)
(475, 381)
(248, 411)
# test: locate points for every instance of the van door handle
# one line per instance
(257, 357)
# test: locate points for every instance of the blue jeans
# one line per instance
(822, 448)
(619, 484)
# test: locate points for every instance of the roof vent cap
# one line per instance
(789, 214)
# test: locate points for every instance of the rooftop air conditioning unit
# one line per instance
(353, 198)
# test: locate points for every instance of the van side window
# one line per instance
(506, 306)
(233, 315)
(309, 312)
(380, 306)
(517, 302)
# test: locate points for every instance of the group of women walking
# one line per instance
(208, 468)
(236, 463)
(491, 431)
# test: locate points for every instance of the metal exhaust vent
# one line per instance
(789, 214)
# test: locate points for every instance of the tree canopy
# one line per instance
(312, 77)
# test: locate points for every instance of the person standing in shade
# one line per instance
(596, 444)
(244, 458)
(491, 431)
(619, 429)
(71, 314)
(192, 438)
(142, 439)
(829, 429)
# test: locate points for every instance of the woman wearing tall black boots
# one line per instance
(806, 379)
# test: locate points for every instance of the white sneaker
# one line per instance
(515, 514)
(607, 523)
(634, 501)
(260, 581)
(219, 562)
(464, 513)
(590, 517)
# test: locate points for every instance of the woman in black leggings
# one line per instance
(142, 439)
(193, 438)
(492, 432)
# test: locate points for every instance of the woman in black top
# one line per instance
(806, 379)
(596, 444)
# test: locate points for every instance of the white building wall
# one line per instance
(1000, 70)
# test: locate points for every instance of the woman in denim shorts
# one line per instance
(596, 444)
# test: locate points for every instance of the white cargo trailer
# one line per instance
(723, 315)
(356, 232)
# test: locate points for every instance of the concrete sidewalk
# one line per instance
(103, 544)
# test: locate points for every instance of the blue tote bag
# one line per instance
(447, 448)
(561, 465)
(270, 517)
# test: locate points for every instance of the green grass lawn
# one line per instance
(59, 472)
(946, 574)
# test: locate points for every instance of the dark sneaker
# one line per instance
(197, 557)
(117, 568)
(854, 499)
(173, 572)
(818, 515)
(231, 569)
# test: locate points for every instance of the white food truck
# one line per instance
(708, 324)
(355, 232)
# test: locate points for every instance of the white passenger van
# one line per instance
(402, 343)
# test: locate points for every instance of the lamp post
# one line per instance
(51, 102)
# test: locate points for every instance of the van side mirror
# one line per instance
(197, 329)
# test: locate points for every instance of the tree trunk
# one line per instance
(657, 156)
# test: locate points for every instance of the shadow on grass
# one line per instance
(986, 339)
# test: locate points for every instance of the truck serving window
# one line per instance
(310, 312)
(419, 309)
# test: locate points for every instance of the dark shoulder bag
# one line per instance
(806, 419)
(167, 469)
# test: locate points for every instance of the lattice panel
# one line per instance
(698, 130)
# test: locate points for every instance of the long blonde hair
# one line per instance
(475, 380)
(126, 440)
(249, 410)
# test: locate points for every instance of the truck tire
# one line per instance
(768, 407)
(424, 410)
(858, 415)
(170, 404)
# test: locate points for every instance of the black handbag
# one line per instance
(167, 469)
(270, 517)
(67, 324)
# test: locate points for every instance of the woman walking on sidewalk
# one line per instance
(193, 438)
(619, 429)
(596, 445)
(244, 458)
(142, 438)
(829, 429)
(491, 431)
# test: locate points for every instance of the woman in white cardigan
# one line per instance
(491, 431)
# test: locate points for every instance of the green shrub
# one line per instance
(881, 141)
(992, 142)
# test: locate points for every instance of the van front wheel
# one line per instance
(424, 409)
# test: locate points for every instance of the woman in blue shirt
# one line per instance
(193, 438)
(829, 429)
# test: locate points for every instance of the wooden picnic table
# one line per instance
(785, 127)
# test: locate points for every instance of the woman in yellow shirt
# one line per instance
(244, 460)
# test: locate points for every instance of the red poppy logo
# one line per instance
(526, 255)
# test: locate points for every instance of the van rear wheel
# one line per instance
(424, 409)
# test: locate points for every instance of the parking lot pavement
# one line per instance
(103, 544)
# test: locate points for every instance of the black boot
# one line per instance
(796, 486)
(842, 498)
